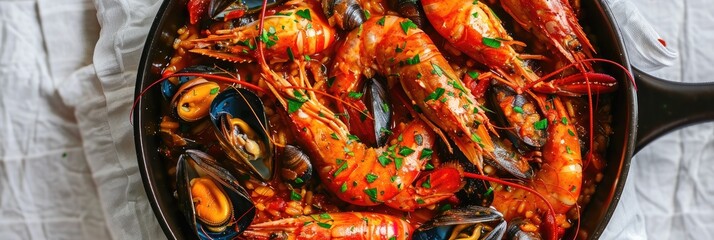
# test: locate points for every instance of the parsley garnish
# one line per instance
(355, 95)
(540, 125)
(564, 120)
(518, 109)
(290, 54)
(371, 177)
(405, 151)
(295, 196)
(324, 225)
(343, 188)
(494, 43)
(408, 24)
(334, 136)
(398, 163)
(294, 105)
(305, 13)
(435, 95)
(427, 183)
(214, 91)
(381, 21)
(428, 166)
(372, 193)
(366, 14)
(425, 153)
(413, 60)
(571, 132)
(384, 160)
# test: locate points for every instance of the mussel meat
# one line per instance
(211, 199)
(519, 112)
(240, 125)
(296, 168)
(192, 100)
(515, 231)
(470, 222)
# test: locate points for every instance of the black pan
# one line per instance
(639, 117)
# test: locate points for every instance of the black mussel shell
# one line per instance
(242, 105)
(514, 231)
(509, 159)
(296, 168)
(378, 104)
(193, 164)
(410, 9)
(348, 14)
(443, 225)
(504, 100)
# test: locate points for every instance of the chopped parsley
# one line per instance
(214, 91)
(334, 136)
(425, 153)
(384, 160)
(325, 216)
(564, 120)
(571, 133)
(413, 60)
(475, 14)
(427, 183)
(304, 13)
(428, 166)
(408, 24)
(367, 14)
(372, 193)
(540, 125)
(295, 196)
(290, 54)
(437, 70)
(307, 58)
(405, 151)
(435, 95)
(343, 166)
(491, 42)
(299, 180)
(518, 109)
(343, 188)
(398, 163)
(355, 95)
(294, 105)
(381, 21)
(321, 224)
(385, 107)
(370, 177)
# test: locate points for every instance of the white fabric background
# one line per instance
(68, 167)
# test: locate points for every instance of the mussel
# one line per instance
(410, 9)
(221, 10)
(346, 14)
(240, 125)
(378, 104)
(193, 99)
(211, 199)
(515, 231)
(507, 158)
(296, 168)
(472, 222)
(519, 112)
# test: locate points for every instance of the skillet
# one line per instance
(640, 115)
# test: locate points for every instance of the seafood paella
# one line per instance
(397, 119)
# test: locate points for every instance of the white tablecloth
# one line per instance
(68, 168)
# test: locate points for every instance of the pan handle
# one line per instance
(665, 106)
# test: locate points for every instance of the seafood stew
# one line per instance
(492, 146)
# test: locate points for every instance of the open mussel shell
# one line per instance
(296, 168)
(240, 125)
(410, 9)
(169, 88)
(473, 222)
(211, 199)
(518, 112)
(193, 99)
(507, 158)
(219, 9)
(514, 231)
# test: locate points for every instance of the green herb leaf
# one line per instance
(384, 160)
(290, 54)
(437, 70)
(372, 193)
(381, 21)
(334, 136)
(408, 24)
(343, 188)
(475, 14)
(330, 81)
(540, 125)
(564, 120)
(428, 166)
(518, 109)
(427, 183)
(567, 149)
(435, 95)
(307, 58)
(385, 107)
(294, 105)
(321, 224)
(420, 201)
(393, 178)
(398, 163)
(325, 216)
(353, 138)
(475, 138)
(488, 192)
(214, 91)
(367, 14)
(493, 43)
(425, 153)
(299, 180)
(295, 196)
(371, 177)
(445, 207)
(571, 133)
(340, 169)
(305, 13)
(413, 60)
(405, 151)
(355, 95)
